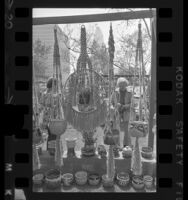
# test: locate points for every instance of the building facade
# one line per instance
(45, 33)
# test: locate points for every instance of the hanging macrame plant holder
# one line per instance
(84, 91)
(139, 128)
(58, 123)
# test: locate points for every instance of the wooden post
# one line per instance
(93, 18)
(153, 86)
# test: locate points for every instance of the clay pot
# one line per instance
(138, 182)
(107, 182)
(111, 137)
(81, 177)
(57, 126)
(67, 179)
(148, 181)
(138, 128)
(53, 178)
(38, 179)
(147, 152)
(94, 179)
(123, 179)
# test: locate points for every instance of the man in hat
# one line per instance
(122, 99)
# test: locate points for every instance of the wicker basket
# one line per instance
(57, 126)
(53, 178)
(123, 179)
(81, 177)
(67, 179)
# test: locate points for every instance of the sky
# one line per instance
(104, 26)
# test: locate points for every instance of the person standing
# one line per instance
(122, 99)
(49, 111)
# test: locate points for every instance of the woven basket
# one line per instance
(57, 126)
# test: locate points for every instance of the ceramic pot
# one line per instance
(147, 152)
(107, 182)
(81, 177)
(53, 178)
(138, 182)
(94, 179)
(67, 179)
(38, 179)
(138, 128)
(123, 179)
(148, 181)
(111, 137)
(58, 126)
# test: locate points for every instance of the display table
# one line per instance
(91, 164)
(88, 188)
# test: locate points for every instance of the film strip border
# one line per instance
(169, 105)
